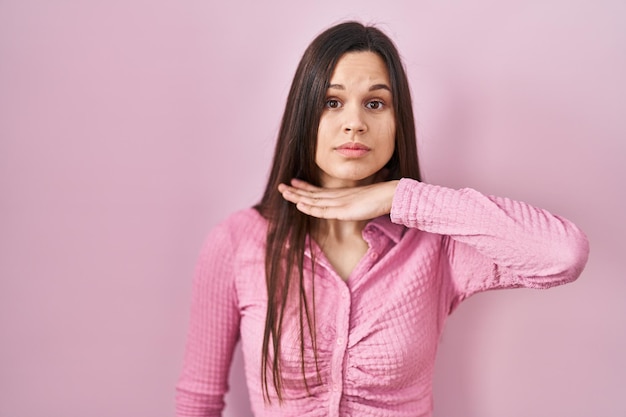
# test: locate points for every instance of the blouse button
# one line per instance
(339, 341)
(374, 255)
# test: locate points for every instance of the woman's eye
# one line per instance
(333, 104)
(374, 105)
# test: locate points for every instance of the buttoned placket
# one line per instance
(342, 325)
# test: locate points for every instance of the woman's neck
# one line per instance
(337, 230)
(342, 243)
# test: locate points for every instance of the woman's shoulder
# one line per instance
(245, 217)
(245, 225)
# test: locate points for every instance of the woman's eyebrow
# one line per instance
(372, 88)
(380, 87)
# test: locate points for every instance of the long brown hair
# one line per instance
(294, 157)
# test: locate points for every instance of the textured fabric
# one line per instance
(377, 332)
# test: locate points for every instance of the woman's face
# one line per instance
(356, 135)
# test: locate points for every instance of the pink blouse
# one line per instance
(377, 332)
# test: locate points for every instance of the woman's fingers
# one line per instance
(304, 185)
(310, 203)
(299, 198)
(317, 196)
(357, 203)
(305, 189)
(321, 212)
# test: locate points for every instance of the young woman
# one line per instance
(339, 281)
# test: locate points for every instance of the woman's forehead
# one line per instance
(359, 68)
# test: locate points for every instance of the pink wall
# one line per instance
(129, 128)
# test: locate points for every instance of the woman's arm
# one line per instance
(213, 330)
(493, 242)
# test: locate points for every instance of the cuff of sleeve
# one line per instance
(404, 205)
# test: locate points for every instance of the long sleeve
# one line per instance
(492, 242)
(213, 330)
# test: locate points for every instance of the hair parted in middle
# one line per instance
(294, 157)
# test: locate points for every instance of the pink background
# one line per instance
(129, 128)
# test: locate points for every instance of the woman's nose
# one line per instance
(354, 122)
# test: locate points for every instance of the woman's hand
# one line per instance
(357, 203)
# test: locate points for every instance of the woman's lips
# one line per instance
(352, 150)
